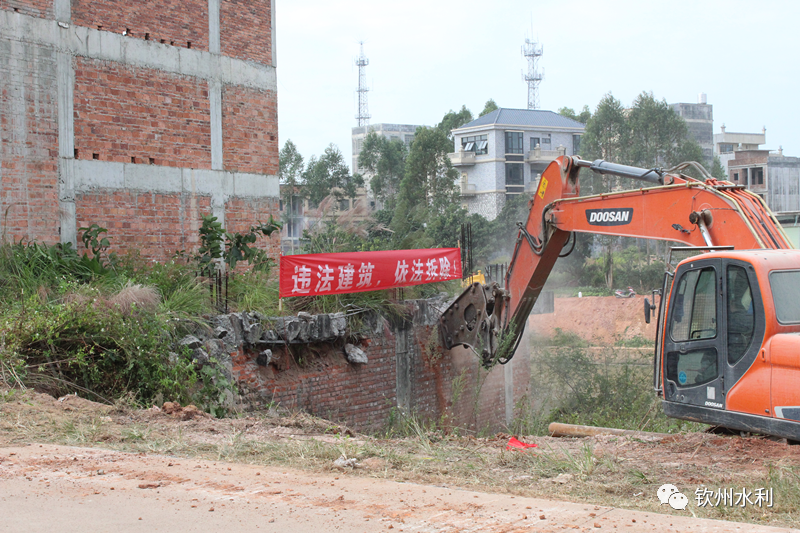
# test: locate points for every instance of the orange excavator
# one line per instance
(728, 322)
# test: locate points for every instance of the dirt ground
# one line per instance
(600, 320)
(90, 467)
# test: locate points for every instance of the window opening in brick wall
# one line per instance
(146, 36)
(100, 27)
(172, 43)
(133, 159)
(736, 176)
(757, 176)
(152, 161)
(163, 41)
(76, 153)
(188, 44)
(95, 156)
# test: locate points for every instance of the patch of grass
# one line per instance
(607, 388)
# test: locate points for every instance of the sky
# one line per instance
(428, 57)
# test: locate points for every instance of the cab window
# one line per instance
(786, 293)
(741, 318)
(694, 314)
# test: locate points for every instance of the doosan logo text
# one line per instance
(609, 217)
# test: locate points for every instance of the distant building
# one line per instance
(699, 119)
(772, 175)
(727, 143)
(393, 132)
(299, 214)
(504, 153)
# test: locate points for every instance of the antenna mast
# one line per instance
(363, 109)
(532, 52)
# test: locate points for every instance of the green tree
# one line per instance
(386, 160)
(657, 135)
(290, 173)
(329, 175)
(490, 106)
(606, 134)
(290, 164)
(453, 120)
(582, 117)
(428, 186)
(717, 170)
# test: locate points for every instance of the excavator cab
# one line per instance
(717, 340)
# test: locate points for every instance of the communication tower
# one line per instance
(363, 109)
(532, 52)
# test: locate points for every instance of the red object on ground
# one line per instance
(516, 444)
(315, 274)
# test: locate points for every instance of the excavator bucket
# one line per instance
(472, 320)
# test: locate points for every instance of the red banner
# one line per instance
(314, 274)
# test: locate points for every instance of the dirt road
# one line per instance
(61, 488)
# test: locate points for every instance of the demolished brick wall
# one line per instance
(301, 363)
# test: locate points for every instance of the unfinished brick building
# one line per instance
(138, 116)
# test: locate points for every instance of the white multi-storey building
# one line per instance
(505, 152)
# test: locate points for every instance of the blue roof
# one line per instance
(524, 117)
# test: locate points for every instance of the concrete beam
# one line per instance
(92, 175)
(104, 45)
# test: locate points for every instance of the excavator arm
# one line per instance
(672, 207)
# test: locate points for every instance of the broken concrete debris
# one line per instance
(230, 332)
(191, 342)
(264, 358)
(355, 354)
(343, 462)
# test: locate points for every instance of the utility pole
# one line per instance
(532, 51)
(363, 109)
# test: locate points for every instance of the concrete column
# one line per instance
(62, 10)
(213, 26)
(508, 375)
(403, 368)
(66, 147)
(272, 33)
(215, 97)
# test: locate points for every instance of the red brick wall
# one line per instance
(241, 213)
(29, 145)
(246, 30)
(155, 225)
(125, 112)
(446, 388)
(35, 8)
(250, 130)
(177, 22)
(325, 384)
